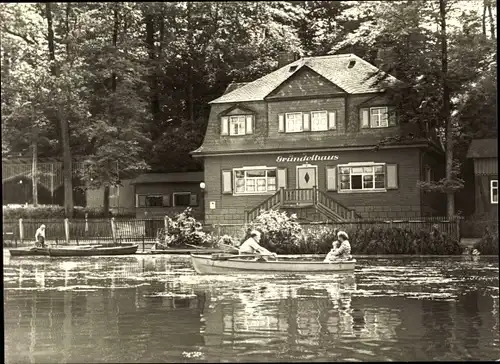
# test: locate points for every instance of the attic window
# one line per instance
(351, 64)
(293, 68)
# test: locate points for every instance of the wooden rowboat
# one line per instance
(93, 250)
(17, 252)
(214, 264)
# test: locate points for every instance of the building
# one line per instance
(484, 153)
(160, 194)
(121, 198)
(302, 139)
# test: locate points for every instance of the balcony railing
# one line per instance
(304, 198)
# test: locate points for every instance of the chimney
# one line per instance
(285, 58)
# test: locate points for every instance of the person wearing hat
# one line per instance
(251, 246)
(343, 252)
(40, 236)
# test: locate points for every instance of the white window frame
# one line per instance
(493, 187)
(256, 168)
(326, 120)
(181, 193)
(287, 129)
(361, 165)
(232, 120)
(377, 123)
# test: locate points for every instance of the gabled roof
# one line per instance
(357, 79)
(483, 148)
(169, 177)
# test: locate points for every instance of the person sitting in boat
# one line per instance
(251, 246)
(40, 236)
(343, 252)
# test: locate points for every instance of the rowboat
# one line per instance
(17, 252)
(216, 264)
(93, 250)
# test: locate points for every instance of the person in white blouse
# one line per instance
(343, 252)
(251, 246)
(40, 236)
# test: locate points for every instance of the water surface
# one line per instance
(156, 309)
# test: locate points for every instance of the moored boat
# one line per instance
(93, 250)
(215, 264)
(33, 251)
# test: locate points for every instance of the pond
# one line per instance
(149, 308)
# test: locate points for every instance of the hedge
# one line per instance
(47, 212)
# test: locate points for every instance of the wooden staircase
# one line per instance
(304, 198)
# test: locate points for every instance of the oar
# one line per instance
(227, 257)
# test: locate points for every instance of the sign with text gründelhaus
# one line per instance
(307, 158)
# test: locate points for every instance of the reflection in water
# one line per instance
(156, 309)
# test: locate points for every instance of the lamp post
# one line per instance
(202, 202)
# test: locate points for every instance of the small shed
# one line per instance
(160, 194)
(484, 153)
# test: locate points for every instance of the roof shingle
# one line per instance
(358, 79)
(483, 148)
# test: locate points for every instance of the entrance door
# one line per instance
(306, 176)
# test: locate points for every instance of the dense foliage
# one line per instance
(183, 230)
(47, 212)
(281, 234)
(279, 231)
(489, 244)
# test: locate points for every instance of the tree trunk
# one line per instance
(153, 81)
(105, 206)
(483, 22)
(492, 24)
(67, 162)
(190, 98)
(450, 206)
(34, 167)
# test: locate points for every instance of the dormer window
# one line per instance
(236, 125)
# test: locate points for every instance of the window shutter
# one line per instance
(224, 125)
(282, 175)
(364, 117)
(332, 120)
(227, 184)
(193, 200)
(392, 176)
(142, 200)
(392, 117)
(306, 121)
(281, 123)
(331, 178)
(166, 200)
(249, 121)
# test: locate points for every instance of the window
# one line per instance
(182, 199)
(254, 180)
(362, 177)
(294, 122)
(319, 120)
(378, 117)
(237, 125)
(153, 200)
(494, 191)
(428, 174)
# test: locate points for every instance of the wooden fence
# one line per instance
(88, 231)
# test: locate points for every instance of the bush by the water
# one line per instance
(280, 233)
(283, 235)
(13, 212)
(184, 229)
(488, 245)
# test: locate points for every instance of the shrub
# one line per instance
(184, 229)
(280, 232)
(488, 245)
(14, 212)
